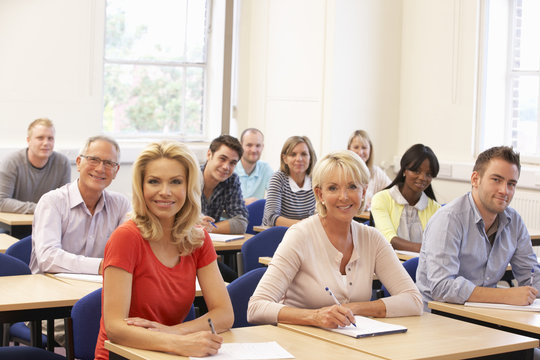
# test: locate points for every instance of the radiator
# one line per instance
(527, 204)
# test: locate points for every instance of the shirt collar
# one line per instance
(75, 197)
(242, 172)
(396, 195)
(294, 186)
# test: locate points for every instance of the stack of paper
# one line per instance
(225, 237)
(535, 306)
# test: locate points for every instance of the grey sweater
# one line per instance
(22, 185)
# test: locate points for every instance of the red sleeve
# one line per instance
(123, 247)
(206, 253)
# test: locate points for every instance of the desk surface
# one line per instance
(300, 346)
(233, 245)
(38, 291)
(428, 337)
(16, 219)
(521, 320)
(6, 241)
(265, 260)
(259, 228)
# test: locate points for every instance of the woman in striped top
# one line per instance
(290, 197)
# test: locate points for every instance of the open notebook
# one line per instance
(535, 306)
(225, 237)
(369, 327)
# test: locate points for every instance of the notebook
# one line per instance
(366, 327)
(535, 306)
(225, 237)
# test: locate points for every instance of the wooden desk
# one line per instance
(523, 322)
(406, 255)
(431, 337)
(300, 346)
(39, 297)
(6, 241)
(364, 215)
(233, 245)
(265, 260)
(18, 225)
(260, 228)
(535, 236)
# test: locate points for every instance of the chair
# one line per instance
(240, 290)
(409, 265)
(10, 266)
(264, 243)
(85, 318)
(27, 353)
(22, 249)
(255, 214)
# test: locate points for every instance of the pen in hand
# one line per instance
(211, 324)
(335, 299)
(213, 224)
(532, 277)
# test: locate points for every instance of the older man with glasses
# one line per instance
(72, 224)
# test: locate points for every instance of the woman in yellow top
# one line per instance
(402, 210)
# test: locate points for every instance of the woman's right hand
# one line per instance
(206, 223)
(201, 343)
(333, 316)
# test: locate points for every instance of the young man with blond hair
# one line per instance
(27, 174)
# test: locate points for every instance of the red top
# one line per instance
(158, 293)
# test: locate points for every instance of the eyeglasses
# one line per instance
(95, 161)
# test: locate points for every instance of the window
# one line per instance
(510, 65)
(155, 68)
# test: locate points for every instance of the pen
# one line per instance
(214, 225)
(211, 324)
(532, 276)
(335, 299)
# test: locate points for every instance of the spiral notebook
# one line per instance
(366, 327)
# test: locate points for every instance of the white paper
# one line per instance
(248, 351)
(369, 327)
(535, 306)
(225, 237)
(84, 277)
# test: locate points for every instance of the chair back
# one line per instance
(255, 214)
(409, 265)
(12, 266)
(240, 290)
(191, 314)
(27, 353)
(86, 314)
(264, 243)
(22, 249)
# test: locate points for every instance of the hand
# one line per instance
(206, 223)
(522, 295)
(333, 316)
(201, 343)
(151, 325)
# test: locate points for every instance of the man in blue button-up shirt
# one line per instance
(469, 242)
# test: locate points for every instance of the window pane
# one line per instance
(164, 30)
(524, 115)
(526, 30)
(149, 100)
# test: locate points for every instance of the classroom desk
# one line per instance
(535, 236)
(300, 346)
(233, 245)
(18, 225)
(431, 337)
(260, 228)
(38, 297)
(522, 322)
(6, 241)
(265, 260)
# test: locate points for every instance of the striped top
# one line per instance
(285, 198)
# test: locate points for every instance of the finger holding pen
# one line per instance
(348, 312)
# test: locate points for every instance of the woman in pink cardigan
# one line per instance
(330, 250)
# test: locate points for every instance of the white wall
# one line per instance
(404, 70)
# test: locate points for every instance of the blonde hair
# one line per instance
(346, 161)
(364, 137)
(289, 145)
(185, 234)
(41, 121)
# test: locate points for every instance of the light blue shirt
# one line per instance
(456, 254)
(255, 184)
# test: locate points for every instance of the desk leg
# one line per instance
(35, 333)
(50, 335)
(113, 356)
(70, 352)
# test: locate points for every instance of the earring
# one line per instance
(322, 202)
